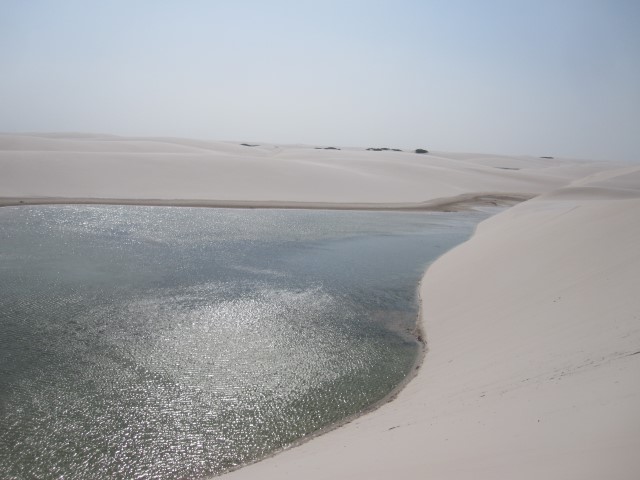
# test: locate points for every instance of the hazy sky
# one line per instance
(559, 77)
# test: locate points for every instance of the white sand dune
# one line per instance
(533, 325)
(109, 167)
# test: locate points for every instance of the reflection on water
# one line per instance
(157, 342)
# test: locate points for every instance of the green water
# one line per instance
(158, 342)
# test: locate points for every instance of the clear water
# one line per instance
(157, 342)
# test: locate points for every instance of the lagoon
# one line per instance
(165, 342)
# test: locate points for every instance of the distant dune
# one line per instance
(57, 166)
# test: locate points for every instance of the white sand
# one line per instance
(110, 167)
(533, 326)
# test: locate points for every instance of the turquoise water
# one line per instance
(159, 342)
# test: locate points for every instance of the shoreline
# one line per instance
(446, 204)
(418, 333)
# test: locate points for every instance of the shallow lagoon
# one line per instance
(159, 342)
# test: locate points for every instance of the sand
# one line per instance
(63, 168)
(532, 326)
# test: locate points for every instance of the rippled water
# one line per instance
(157, 342)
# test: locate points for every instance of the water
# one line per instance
(158, 342)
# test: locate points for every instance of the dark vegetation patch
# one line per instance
(421, 150)
(548, 158)
(327, 148)
(248, 145)
(384, 149)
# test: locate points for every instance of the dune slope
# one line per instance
(533, 330)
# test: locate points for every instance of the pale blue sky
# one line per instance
(534, 77)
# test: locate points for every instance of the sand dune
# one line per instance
(533, 326)
(107, 167)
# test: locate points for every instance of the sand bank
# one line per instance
(533, 326)
(450, 204)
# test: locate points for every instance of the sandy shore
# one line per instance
(451, 204)
(532, 326)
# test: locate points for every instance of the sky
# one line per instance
(530, 77)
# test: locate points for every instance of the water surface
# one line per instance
(159, 342)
